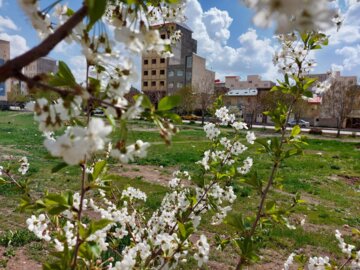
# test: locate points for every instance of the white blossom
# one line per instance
(250, 137)
(212, 132)
(133, 193)
(24, 165)
(78, 143)
(248, 162)
(39, 226)
(289, 261)
(318, 263)
(202, 256)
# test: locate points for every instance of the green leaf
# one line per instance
(96, 10)
(69, 12)
(65, 72)
(99, 225)
(295, 131)
(98, 169)
(182, 231)
(168, 103)
(58, 167)
(63, 77)
(236, 221)
(2, 181)
(146, 103)
(173, 116)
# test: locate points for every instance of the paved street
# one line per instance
(324, 129)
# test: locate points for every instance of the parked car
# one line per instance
(301, 123)
(98, 112)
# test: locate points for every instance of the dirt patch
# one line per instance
(153, 174)
(271, 260)
(20, 261)
(351, 180)
(12, 149)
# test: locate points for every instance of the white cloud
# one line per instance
(7, 23)
(18, 44)
(351, 56)
(64, 48)
(350, 29)
(253, 55)
(77, 65)
(336, 67)
(218, 22)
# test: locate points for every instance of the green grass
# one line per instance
(331, 201)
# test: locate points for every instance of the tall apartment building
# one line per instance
(40, 66)
(162, 76)
(252, 81)
(4, 56)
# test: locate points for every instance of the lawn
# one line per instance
(327, 176)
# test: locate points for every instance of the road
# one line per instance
(331, 131)
(324, 130)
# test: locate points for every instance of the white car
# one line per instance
(301, 123)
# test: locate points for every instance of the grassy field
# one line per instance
(327, 176)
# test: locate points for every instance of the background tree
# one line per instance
(204, 93)
(187, 103)
(338, 101)
(270, 100)
(16, 95)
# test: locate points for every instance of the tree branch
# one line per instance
(11, 67)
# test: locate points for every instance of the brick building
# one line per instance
(40, 66)
(162, 76)
(252, 81)
(4, 56)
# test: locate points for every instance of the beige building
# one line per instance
(41, 66)
(202, 79)
(252, 81)
(4, 56)
(247, 103)
(348, 80)
(154, 73)
(162, 76)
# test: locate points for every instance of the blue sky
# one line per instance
(226, 36)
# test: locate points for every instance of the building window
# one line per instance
(179, 73)
(171, 73)
(145, 84)
(146, 62)
(188, 76)
(189, 62)
(179, 85)
(153, 72)
(162, 60)
(163, 36)
(153, 61)
(153, 83)
(162, 83)
(171, 85)
(162, 72)
(250, 81)
(146, 72)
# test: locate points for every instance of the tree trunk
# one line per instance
(202, 117)
(338, 122)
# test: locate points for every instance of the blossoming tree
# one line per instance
(83, 226)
